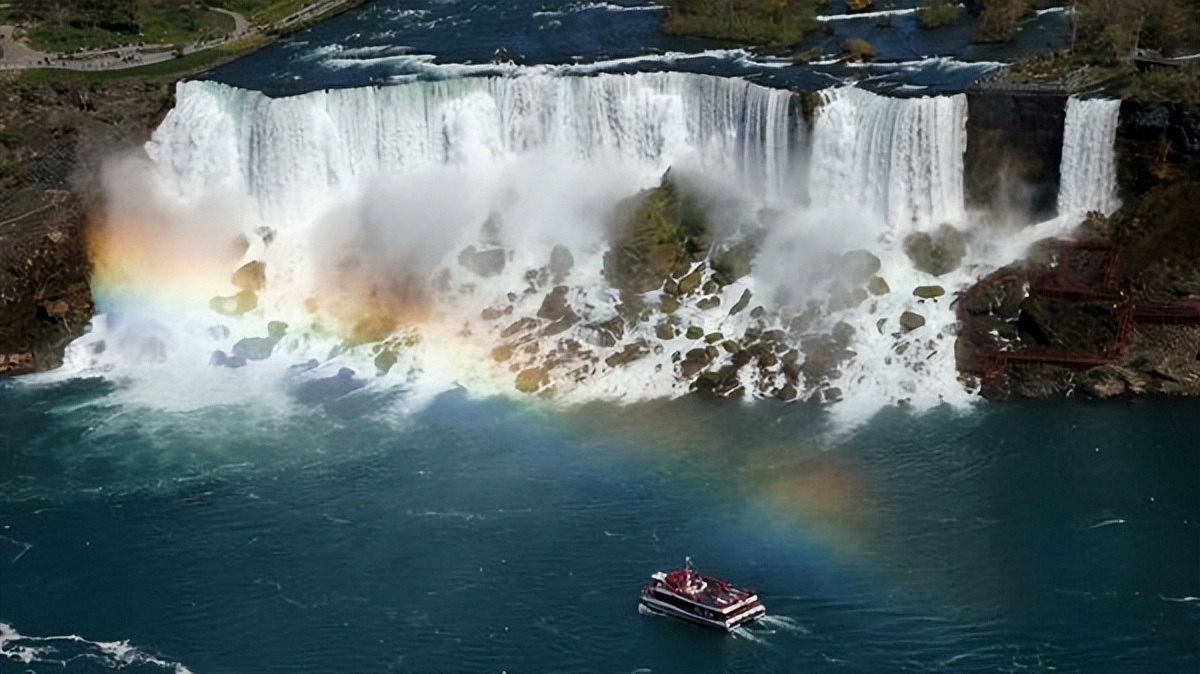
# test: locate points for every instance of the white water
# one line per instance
(362, 198)
(900, 158)
(1088, 169)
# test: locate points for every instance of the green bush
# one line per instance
(937, 13)
(857, 49)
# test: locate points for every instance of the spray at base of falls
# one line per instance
(369, 211)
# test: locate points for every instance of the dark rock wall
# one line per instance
(1156, 143)
(1014, 148)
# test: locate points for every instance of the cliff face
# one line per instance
(53, 138)
(1156, 143)
(1014, 147)
(1117, 311)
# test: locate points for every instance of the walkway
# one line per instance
(16, 55)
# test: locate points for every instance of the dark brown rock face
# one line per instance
(1014, 148)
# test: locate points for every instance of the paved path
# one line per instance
(16, 55)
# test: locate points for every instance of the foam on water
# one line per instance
(365, 206)
(71, 651)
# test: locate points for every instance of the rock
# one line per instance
(842, 333)
(688, 284)
(384, 361)
(694, 361)
(694, 332)
(260, 348)
(520, 325)
(668, 304)
(328, 389)
(485, 263)
(910, 321)
(554, 306)
(710, 302)
(561, 263)
(938, 253)
(605, 334)
(733, 347)
(713, 338)
(251, 276)
(664, 330)
(531, 379)
(857, 266)
(878, 286)
(831, 394)
(732, 263)
(1101, 382)
(502, 352)
(491, 314)
(236, 305)
(929, 292)
(741, 304)
(561, 324)
(630, 353)
(219, 359)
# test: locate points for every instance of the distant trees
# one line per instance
(751, 21)
(1113, 30)
(998, 19)
(937, 13)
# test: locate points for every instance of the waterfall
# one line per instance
(1089, 170)
(902, 159)
(292, 155)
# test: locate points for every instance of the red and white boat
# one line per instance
(706, 600)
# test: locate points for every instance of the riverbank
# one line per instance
(57, 124)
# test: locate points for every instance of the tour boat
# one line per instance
(689, 595)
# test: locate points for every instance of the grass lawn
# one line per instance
(171, 69)
(162, 23)
(263, 11)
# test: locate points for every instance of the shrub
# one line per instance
(937, 13)
(857, 49)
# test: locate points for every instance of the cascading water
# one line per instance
(900, 158)
(1089, 168)
(420, 218)
(294, 155)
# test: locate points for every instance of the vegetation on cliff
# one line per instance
(761, 22)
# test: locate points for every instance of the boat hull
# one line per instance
(720, 622)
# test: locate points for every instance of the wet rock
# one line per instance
(664, 330)
(485, 263)
(929, 292)
(561, 263)
(554, 306)
(710, 302)
(878, 286)
(520, 325)
(690, 283)
(857, 266)
(938, 253)
(328, 389)
(630, 353)
(251, 276)
(235, 305)
(741, 304)
(693, 362)
(531, 379)
(910, 321)
(694, 332)
(385, 361)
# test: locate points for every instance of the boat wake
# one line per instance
(780, 623)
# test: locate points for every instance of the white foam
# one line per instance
(865, 15)
(368, 190)
(60, 651)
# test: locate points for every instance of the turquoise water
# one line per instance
(491, 535)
